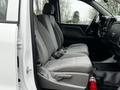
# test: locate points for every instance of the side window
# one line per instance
(3, 9)
(76, 12)
(38, 6)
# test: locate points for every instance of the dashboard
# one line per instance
(109, 32)
(105, 25)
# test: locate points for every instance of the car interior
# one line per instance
(68, 54)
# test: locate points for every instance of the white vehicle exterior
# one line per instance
(8, 56)
(15, 45)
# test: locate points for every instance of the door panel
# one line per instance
(8, 56)
(73, 33)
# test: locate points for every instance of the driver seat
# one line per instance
(48, 20)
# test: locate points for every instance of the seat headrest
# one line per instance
(48, 9)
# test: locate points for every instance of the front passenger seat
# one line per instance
(48, 20)
(59, 74)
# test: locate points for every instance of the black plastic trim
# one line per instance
(9, 22)
(114, 67)
(34, 46)
(19, 12)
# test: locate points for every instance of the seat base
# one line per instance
(47, 80)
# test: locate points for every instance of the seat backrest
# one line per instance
(44, 42)
(50, 23)
(44, 19)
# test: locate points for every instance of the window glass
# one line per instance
(3, 9)
(12, 10)
(112, 6)
(9, 10)
(38, 6)
(76, 12)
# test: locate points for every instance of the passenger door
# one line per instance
(76, 16)
(8, 44)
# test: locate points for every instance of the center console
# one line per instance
(107, 66)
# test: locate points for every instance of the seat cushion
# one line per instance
(75, 64)
(77, 48)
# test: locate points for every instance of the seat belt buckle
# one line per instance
(58, 54)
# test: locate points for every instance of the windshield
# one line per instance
(111, 5)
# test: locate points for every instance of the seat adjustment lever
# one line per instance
(59, 77)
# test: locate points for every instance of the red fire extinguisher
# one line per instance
(92, 83)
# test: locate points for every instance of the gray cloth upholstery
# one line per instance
(58, 32)
(44, 19)
(44, 42)
(76, 63)
(53, 28)
(73, 68)
(78, 48)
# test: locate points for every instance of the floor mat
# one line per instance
(112, 78)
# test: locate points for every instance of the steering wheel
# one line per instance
(92, 23)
